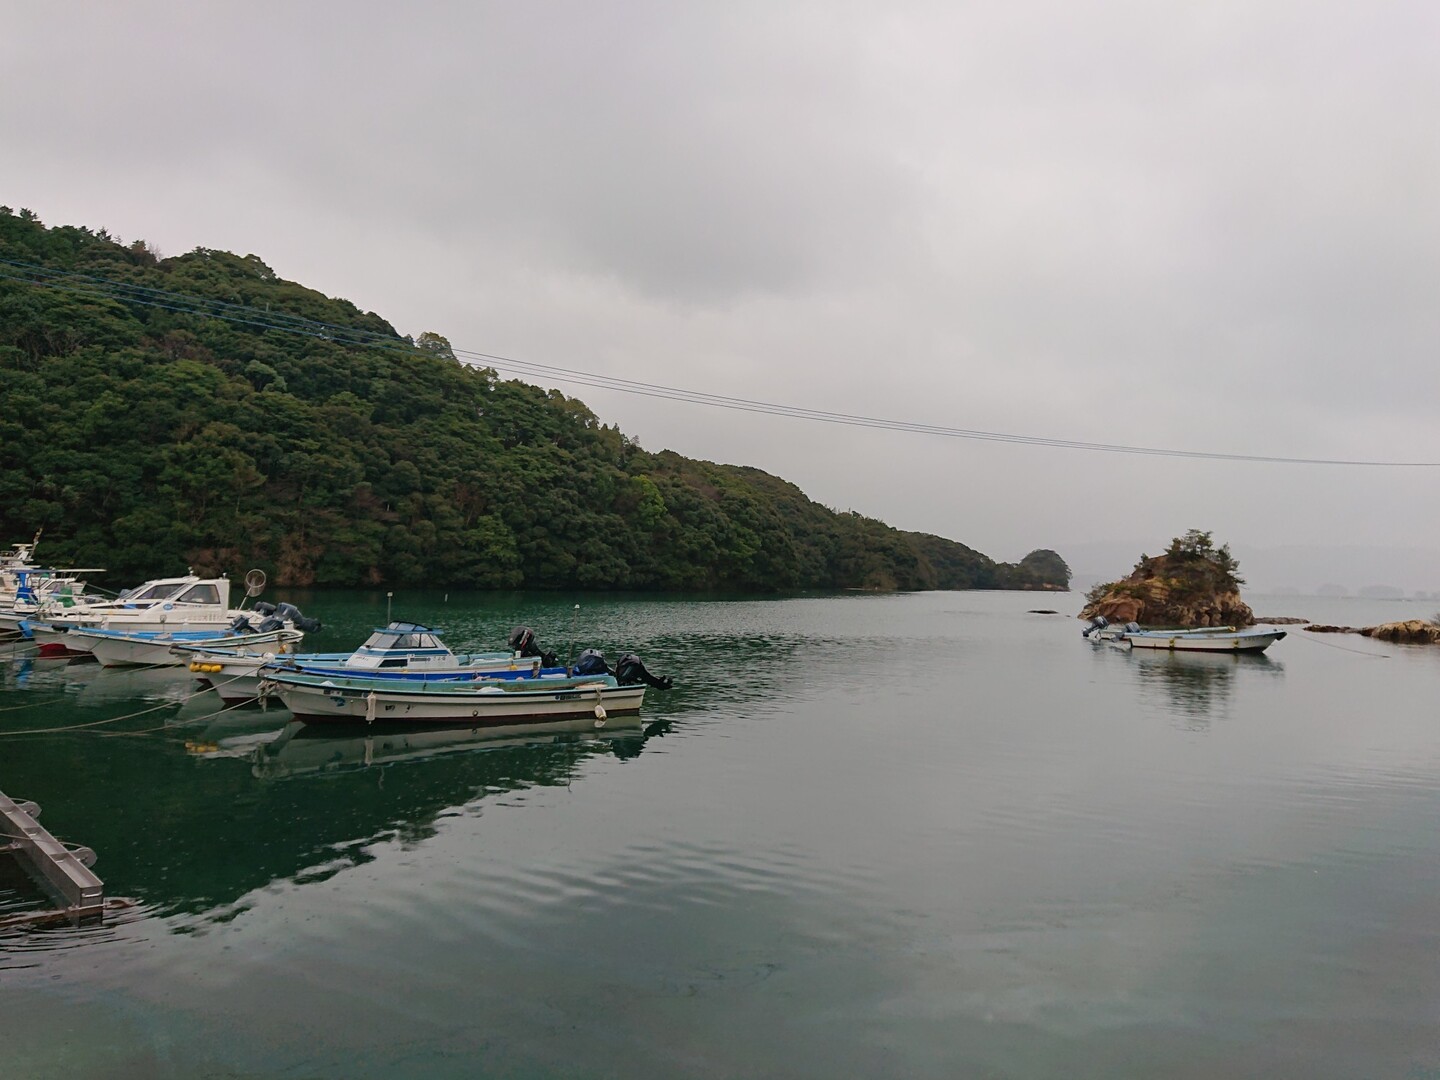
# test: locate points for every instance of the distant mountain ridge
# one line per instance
(201, 411)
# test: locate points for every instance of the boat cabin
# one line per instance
(401, 645)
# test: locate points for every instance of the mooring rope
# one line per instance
(131, 716)
(1345, 648)
(32, 704)
(167, 725)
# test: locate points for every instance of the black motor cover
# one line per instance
(629, 671)
(592, 662)
(522, 640)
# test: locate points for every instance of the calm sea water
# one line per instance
(928, 835)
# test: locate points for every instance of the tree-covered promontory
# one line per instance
(200, 411)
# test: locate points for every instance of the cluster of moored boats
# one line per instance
(403, 673)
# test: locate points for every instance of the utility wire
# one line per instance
(101, 288)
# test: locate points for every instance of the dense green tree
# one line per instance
(202, 411)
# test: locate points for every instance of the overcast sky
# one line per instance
(1207, 227)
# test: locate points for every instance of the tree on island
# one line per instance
(1042, 569)
(1194, 583)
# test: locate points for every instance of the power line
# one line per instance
(101, 288)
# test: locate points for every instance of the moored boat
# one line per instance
(315, 699)
(172, 605)
(1227, 639)
(154, 648)
(400, 650)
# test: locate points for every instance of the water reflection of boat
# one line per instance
(95, 685)
(302, 748)
(1210, 661)
(1198, 681)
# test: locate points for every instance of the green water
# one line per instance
(926, 835)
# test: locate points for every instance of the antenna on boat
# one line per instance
(574, 615)
(388, 597)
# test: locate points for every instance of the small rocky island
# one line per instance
(1194, 583)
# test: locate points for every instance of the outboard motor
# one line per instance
(522, 640)
(291, 614)
(1132, 627)
(629, 671)
(592, 662)
(264, 608)
(241, 625)
(1097, 623)
(270, 623)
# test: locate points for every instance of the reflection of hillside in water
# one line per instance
(202, 824)
(1197, 683)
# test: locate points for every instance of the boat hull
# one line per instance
(131, 650)
(237, 679)
(1234, 642)
(315, 703)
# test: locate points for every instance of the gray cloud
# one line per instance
(1211, 228)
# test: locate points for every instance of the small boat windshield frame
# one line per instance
(159, 591)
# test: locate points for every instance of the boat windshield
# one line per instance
(200, 594)
(158, 592)
(385, 640)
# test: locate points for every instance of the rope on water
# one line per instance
(32, 704)
(131, 716)
(1344, 648)
(167, 725)
(92, 723)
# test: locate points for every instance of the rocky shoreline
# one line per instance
(1405, 632)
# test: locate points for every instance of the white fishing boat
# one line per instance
(26, 586)
(401, 650)
(173, 605)
(315, 699)
(1222, 639)
(40, 590)
(154, 648)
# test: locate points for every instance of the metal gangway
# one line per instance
(61, 870)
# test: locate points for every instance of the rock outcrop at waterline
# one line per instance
(1409, 632)
(1192, 584)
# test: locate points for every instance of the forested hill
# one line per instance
(193, 411)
